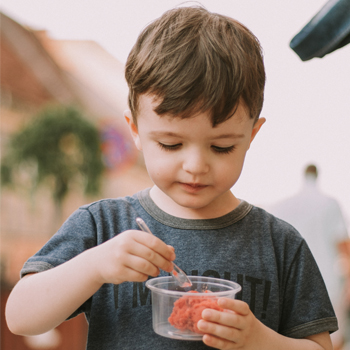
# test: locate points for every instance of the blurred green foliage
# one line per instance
(59, 148)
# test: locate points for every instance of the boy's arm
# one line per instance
(41, 301)
(237, 328)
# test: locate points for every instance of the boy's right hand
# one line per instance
(131, 256)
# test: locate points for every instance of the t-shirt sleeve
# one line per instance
(307, 309)
(76, 235)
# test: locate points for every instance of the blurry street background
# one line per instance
(72, 53)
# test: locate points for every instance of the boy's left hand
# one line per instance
(234, 328)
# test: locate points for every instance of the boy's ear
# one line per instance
(133, 129)
(256, 127)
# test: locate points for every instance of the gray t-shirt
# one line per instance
(266, 256)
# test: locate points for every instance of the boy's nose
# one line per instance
(196, 162)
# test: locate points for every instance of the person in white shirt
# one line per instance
(320, 221)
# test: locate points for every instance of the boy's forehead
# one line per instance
(147, 104)
(198, 127)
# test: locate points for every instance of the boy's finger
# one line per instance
(229, 319)
(156, 244)
(216, 342)
(150, 254)
(238, 306)
(142, 266)
(220, 332)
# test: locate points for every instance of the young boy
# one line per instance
(196, 84)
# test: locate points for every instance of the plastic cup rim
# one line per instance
(195, 279)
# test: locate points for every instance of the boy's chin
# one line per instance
(205, 206)
(189, 207)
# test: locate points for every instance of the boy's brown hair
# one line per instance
(194, 61)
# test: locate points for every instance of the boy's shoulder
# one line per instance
(264, 215)
(112, 203)
(109, 211)
(279, 229)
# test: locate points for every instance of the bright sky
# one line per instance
(307, 104)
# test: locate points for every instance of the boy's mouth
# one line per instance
(192, 187)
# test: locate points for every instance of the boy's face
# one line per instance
(192, 164)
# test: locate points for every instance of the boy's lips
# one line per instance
(192, 187)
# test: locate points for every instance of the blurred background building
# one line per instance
(37, 71)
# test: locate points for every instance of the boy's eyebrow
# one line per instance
(229, 136)
(222, 136)
(163, 133)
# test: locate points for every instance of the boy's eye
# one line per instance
(224, 150)
(169, 147)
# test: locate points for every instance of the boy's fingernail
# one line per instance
(206, 313)
(171, 267)
(202, 325)
(173, 255)
(221, 302)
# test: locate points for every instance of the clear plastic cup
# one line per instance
(176, 311)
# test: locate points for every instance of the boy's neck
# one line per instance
(222, 206)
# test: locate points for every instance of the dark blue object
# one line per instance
(326, 32)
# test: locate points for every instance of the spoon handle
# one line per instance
(177, 273)
(143, 225)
